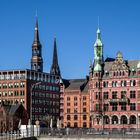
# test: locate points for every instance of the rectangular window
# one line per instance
(98, 95)
(123, 94)
(97, 107)
(105, 95)
(132, 106)
(75, 98)
(106, 106)
(114, 107)
(84, 117)
(114, 95)
(132, 94)
(123, 107)
(84, 110)
(84, 103)
(84, 97)
(68, 104)
(68, 110)
(75, 110)
(68, 98)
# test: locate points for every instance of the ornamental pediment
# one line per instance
(119, 63)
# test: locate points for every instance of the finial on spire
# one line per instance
(98, 22)
(54, 35)
(36, 26)
(98, 29)
(36, 13)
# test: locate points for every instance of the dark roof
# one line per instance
(11, 109)
(14, 108)
(108, 59)
(76, 84)
(6, 108)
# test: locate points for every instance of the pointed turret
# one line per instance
(98, 52)
(55, 67)
(90, 70)
(36, 60)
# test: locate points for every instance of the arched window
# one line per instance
(132, 119)
(68, 124)
(106, 120)
(124, 119)
(75, 125)
(114, 119)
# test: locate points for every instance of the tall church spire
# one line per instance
(36, 36)
(55, 67)
(36, 60)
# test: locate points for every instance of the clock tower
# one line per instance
(36, 60)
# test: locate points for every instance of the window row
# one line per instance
(75, 98)
(12, 76)
(43, 94)
(123, 83)
(44, 110)
(76, 125)
(75, 117)
(75, 110)
(12, 85)
(45, 102)
(46, 87)
(12, 93)
(11, 102)
(115, 107)
(122, 95)
(76, 104)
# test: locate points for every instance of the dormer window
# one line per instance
(133, 71)
(106, 73)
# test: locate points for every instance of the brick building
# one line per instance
(74, 103)
(114, 88)
(112, 93)
(37, 90)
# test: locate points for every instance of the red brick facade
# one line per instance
(112, 92)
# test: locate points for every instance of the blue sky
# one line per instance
(75, 23)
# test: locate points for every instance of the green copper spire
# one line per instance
(98, 52)
(98, 68)
(98, 41)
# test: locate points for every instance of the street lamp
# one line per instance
(31, 90)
